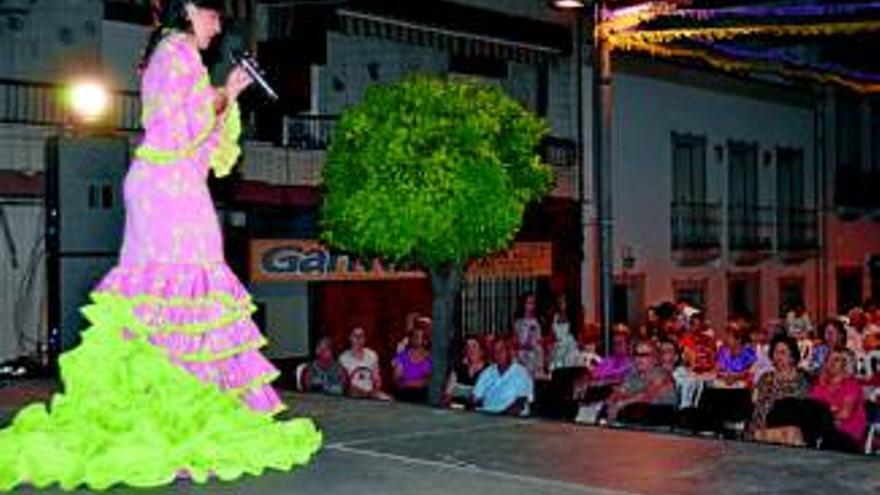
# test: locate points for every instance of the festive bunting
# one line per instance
(625, 29)
(787, 11)
(627, 18)
(782, 57)
(729, 64)
(622, 39)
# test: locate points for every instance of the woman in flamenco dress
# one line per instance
(168, 381)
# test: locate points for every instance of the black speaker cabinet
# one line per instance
(84, 223)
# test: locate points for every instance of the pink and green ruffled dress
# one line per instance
(168, 379)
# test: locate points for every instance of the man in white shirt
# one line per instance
(505, 387)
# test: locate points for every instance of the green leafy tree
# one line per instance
(436, 173)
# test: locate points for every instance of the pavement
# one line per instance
(395, 449)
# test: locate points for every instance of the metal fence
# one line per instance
(487, 305)
(308, 131)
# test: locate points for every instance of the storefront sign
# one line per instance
(286, 260)
(281, 260)
(523, 260)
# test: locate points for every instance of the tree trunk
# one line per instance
(445, 281)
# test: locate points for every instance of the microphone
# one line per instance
(249, 64)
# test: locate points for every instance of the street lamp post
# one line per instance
(603, 265)
(602, 169)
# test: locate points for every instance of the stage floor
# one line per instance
(381, 448)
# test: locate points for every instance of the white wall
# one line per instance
(349, 56)
(646, 112)
(121, 47)
(51, 39)
(23, 148)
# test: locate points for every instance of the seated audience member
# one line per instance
(412, 369)
(505, 387)
(854, 322)
(324, 373)
(797, 322)
(653, 328)
(461, 381)
(760, 339)
(588, 355)
(647, 394)
(805, 344)
(784, 381)
(684, 312)
(735, 357)
(838, 389)
(361, 364)
(832, 337)
(698, 346)
(871, 334)
(596, 384)
(686, 385)
(726, 401)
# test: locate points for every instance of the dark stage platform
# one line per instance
(379, 448)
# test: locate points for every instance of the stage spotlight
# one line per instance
(88, 100)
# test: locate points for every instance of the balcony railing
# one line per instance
(308, 132)
(750, 227)
(696, 226)
(559, 152)
(43, 104)
(797, 230)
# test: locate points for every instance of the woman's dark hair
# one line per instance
(572, 314)
(172, 17)
(521, 305)
(740, 333)
(789, 342)
(841, 331)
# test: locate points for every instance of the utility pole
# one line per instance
(602, 113)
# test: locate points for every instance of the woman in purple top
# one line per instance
(412, 369)
(735, 357)
(598, 383)
(614, 367)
